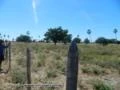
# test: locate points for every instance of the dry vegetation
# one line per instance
(99, 66)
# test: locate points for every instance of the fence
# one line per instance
(33, 87)
(72, 74)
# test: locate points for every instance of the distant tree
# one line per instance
(4, 35)
(89, 33)
(56, 35)
(68, 39)
(77, 39)
(13, 39)
(86, 41)
(39, 36)
(102, 40)
(23, 38)
(115, 32)
(111, 41)
(0, 36)
(28, 33)
(47, 40)
(8, 37)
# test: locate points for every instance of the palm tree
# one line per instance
(115, 32)
(4, 36)
(28, 33)
(0, 36)
(8, 36)
(89, 33)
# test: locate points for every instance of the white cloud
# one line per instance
(34, 6)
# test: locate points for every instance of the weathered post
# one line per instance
(72, 67)
(6, 51)
(9, 56)
(28, 68)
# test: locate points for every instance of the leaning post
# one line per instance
(72, 67)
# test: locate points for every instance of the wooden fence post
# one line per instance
(9, 55)
(72, 67)
(28, 68)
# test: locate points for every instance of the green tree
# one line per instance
(89, 33)
(102, 40)
(68, 39)
(77, 39)
(23, 38)
(56, 35)
(86, 41)
(28, 33)
(0, 36)
(115, 32)
(8, 37)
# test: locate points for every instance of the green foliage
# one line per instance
(68, 38)
(97, 70)
(115, 31)
(100, 85)
(86, 41)
(52, 73)
(77, 39)
(18, 76)
(23, 38)
(89, 31)
(102, 40)
(57, 35)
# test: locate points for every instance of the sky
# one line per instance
(36, 16)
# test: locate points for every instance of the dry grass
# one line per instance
(49, 63)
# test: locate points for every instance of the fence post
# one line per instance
(9, 55)
(28, 68)
(72, 67)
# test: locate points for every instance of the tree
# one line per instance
(68, 39)
(0, 36)
(56, 35)
(4, 35)
(23, 38)
(115, 32)
(86, 41)
(8, 37)
(102, 40)
(28, 33)
(77, 39)
(89, 33)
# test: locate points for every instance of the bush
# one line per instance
(77, 39)
(102, 41)
(23, 38)
(93, 70)
(100, 85)
(18, 76)
(51, 73)
(86, 41)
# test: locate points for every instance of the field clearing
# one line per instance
(97, 63)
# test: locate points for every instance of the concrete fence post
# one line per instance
(72, 67)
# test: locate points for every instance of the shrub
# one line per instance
(18, 76)
(102, 41)
(23, 38)
(77, 39)
(100, 85)
(93, 70)
(86, 41)
(51, 73)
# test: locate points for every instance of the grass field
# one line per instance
(99, 66)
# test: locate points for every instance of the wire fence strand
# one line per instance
(33, 86)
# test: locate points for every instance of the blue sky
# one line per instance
(19, 16)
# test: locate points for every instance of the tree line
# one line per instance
(60, 35)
